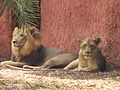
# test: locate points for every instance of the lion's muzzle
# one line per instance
(18, 43)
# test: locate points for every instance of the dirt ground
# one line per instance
(58, 80)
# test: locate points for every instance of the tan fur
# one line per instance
(27, 49)
(90, 57)
(29, 42)
(22, 44)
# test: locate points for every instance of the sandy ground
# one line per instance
(58, 80)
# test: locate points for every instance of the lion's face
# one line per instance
(89, 48)
(25, 41)
(19, 38)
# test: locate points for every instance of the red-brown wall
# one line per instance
(62, 21)
(5, 35)
(65, 20)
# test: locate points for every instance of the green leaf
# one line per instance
(26, 11)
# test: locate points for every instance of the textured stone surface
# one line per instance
(65, 20)
(5, 35)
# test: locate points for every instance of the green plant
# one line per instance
(26, 11)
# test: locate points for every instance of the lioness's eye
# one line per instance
(92, 46)
(82, 46)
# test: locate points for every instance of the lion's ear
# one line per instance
(16, 30)
(32, 30)
(97, 41)
(35, 33)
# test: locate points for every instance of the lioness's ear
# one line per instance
(97, 41)
(78, 41)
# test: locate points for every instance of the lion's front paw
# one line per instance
(38, 68)
(27, 67)
(32, 67)
(2, 64)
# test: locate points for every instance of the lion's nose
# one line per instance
(88, 52)
(14, 41)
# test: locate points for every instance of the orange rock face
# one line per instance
(65, 20)
(5, 35)
(62, 21)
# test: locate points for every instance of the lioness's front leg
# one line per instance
(72, 65)
(79, 68)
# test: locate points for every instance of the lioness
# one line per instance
(27, 49)
(90, 57)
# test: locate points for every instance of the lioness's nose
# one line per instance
(14, 41)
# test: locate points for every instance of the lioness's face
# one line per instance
(89, 47)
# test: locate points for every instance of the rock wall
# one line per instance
(5, 35)
(63, 21)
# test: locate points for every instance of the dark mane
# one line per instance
(36, 57)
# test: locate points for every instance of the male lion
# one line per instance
(90, 57)
(27, 49)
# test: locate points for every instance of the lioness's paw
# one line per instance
(65, 68)
(86, 69)
(76, 69)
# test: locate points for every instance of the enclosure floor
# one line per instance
(58, 80)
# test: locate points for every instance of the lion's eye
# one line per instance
(85, 45)
(21, 35)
